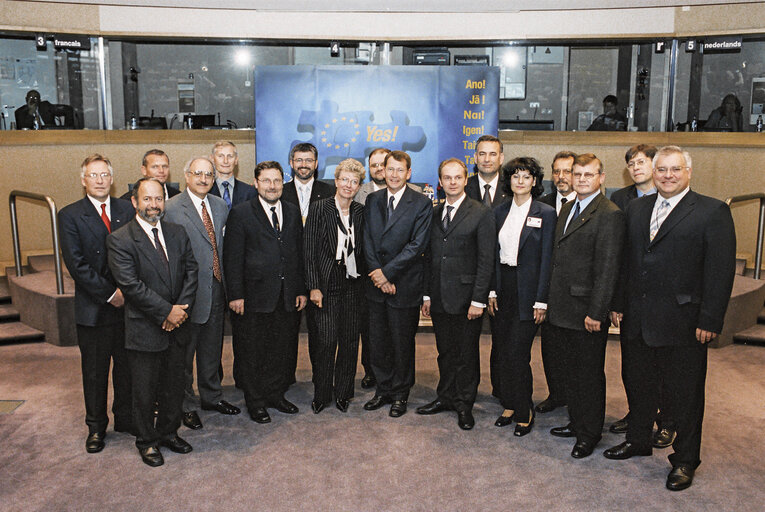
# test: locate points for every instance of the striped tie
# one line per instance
(661, 213)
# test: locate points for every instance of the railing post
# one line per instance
(760, 226)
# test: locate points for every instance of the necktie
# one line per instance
(661, 213)
(275, 221)
(105, 218)
(226, 195)
(211, 234)
(487, 195)
(447, 218)
(390, 207)
(573, 218)
(160, 249)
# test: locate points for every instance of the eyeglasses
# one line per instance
(96, 175)
(661, 171)
(199, 174)
(587, 176)
(564, 172)
(634, 163)
(267, 181)
(376, 166)
(307, 161)
(348, 181)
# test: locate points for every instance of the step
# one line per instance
(5, 292)
(8, 313)
(754, 335)
(16, 331)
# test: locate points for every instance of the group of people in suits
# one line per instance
(368, 260)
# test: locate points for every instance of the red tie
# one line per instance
(105, 218)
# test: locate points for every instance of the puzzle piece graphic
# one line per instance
(338, 136)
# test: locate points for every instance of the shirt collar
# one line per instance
(672, 200)
(267, 207)
(640, 193)
(456, 204)
(570, 197)
(584, 203)
(97, 204)
(482, 183)
(221, 181)
(148, 227)
(198, 202)
(397, 195)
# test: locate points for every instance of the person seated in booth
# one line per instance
(610, 120)
(37, 114)
(726, 117)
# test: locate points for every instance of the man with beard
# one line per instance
(154, 266)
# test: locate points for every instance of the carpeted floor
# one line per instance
(366, 460)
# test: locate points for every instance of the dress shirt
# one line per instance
(396, 197)
(304, 195)
(198, 206)
(231, 181)
(97, 205)
(558, 200)
(267, 208)
(672, 203)
(583, 204)
(492, 184)
(147, 228)
(640, 193)
(510, 234)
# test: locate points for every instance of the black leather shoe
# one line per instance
(176, 444)
(376, 402)
(368, 381)
(625, 451)
(582, 449)
(222, 407)
(503, 421)
(547, 405)
(433, 407)
(317, 406)
(681, 477)
(522, 430)
(286, 406)
(342, 404)
(465, 420)
(95, 442)
(260, 415)
(397, 409)
(664, 438)
(151, 456)
(619, 426)
(191, 420)
(565, 431)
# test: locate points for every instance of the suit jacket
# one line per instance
(83, 245)
(534, 258)
(180, 210)
(473, 192)
(623, 196)
(682, 280)
(368, 187)
(242, 192)
(320, 244)
(150, 292)
(259, 264)
(459, 262)
(549, 199)
(320, 190)
(586, 264)
(398, 245)
(48, 112)
(171, 192)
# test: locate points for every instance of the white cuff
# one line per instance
(540, 305)
(478, 304)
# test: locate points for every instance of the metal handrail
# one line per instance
(760, 225)
(54, 228)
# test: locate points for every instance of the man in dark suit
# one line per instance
(36, 114)
(396, 234)
(263, 260)
(154, 266)
(679, 271)
(562, 164)
(302, 190)
(203, 216)
(459, 264)
(84, 226)
(156, 164)
(233, 192)
(586, 259)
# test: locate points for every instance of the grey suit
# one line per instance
(209, 304)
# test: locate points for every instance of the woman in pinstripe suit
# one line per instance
(335, 269)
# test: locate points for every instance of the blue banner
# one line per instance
(431, 112)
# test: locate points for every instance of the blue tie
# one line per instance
(226, 195)
(573, 217)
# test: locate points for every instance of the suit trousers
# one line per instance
(459, 367)
(99, 346)
(682, 369)
(515, 337)
(553, 366)
(365, 362)
(238, 339)
(334, 347)
(494, 365)
(206, 341)
(158, 376)
(391, 335)
(665, 415)
(292, 348)
(267, 355)
(584, 357)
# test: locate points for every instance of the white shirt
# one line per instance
(672, 203)
(396, 197)
(304, 195)
(198, 205)
(492, 186)
(97, 205)
(267, 209)
(510, 233)
(559, 197)
(147, 228)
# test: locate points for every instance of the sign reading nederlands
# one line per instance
(432, 113)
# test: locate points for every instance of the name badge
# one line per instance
(534, 222)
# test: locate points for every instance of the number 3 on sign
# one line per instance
(476, 99)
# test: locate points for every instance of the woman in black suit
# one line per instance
(334, 265)
(525, 232)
